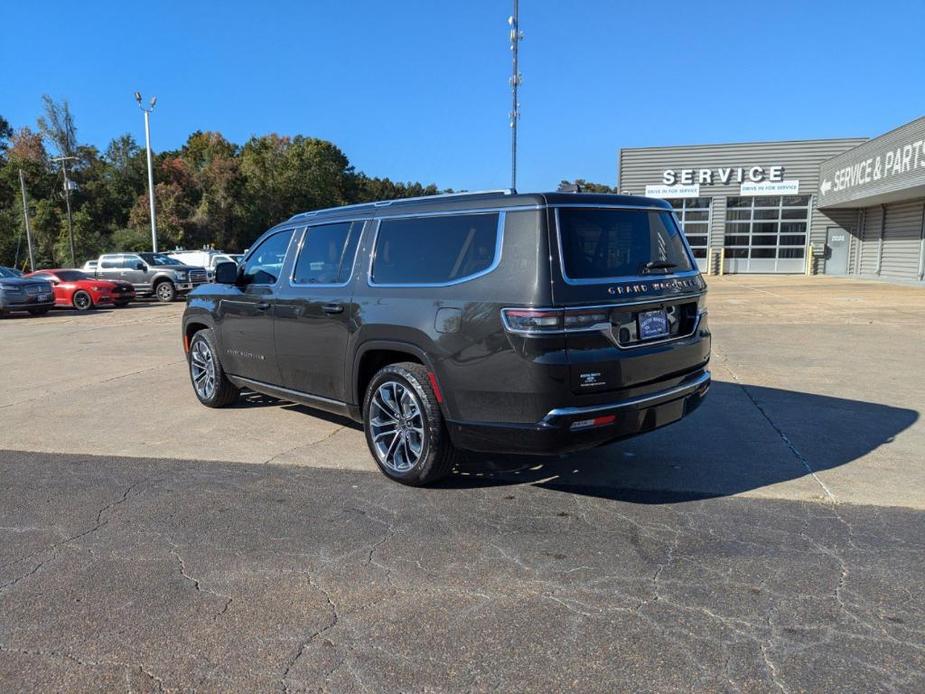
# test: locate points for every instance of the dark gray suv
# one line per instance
(494, 322)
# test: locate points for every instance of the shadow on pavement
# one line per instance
(742, 438)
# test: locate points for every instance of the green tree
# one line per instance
(589, 187)
(57, 126)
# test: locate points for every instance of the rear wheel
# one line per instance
(82, 301)
(404, 426)
(210, 383)
(165, 291)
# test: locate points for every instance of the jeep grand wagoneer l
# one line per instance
(493, 321)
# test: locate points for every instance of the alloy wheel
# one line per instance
(82, 301)
(202, 368)
(397, 426)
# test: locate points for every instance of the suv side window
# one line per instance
(265, 263)
(327, 254)
(435, 250)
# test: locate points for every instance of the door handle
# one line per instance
(262, 306)
(331, 309)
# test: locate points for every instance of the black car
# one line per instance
(496, 322)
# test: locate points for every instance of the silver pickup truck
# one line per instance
(152, 274)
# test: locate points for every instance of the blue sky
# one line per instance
(418, 90)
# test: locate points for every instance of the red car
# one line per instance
(81, 291)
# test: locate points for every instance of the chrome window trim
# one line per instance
(614, 206)
(353, 261)
(701, 380)
(693, 272)
(496, 261)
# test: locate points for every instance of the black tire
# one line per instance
(39, 311)
(222, 391)
(437, 454)
(165, 291)
(82, 301)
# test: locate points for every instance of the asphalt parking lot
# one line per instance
(773, 541)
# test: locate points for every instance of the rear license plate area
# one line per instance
(652, 324)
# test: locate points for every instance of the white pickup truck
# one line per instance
(207, 259)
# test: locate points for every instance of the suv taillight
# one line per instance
(547, 321)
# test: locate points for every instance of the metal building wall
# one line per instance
(902, 241)
(870, 241)
(639, 166)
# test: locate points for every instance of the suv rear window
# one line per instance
(598, 244)
(435, 250)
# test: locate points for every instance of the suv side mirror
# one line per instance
(140, 266)
(226, 272)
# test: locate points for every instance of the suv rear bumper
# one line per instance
(557, 432)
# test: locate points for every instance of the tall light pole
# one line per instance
(147, 112)
(516, 79)
(25, 217)
(67, 201)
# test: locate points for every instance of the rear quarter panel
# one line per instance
(459, 329)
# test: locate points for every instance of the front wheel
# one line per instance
(404, 426)
(82, 301)
(165, 291)
(210, 383)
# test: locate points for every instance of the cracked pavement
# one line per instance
(771, 542)
(180, 575)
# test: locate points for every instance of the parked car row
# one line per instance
(113, 279)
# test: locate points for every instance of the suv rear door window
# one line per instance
(435, 250)
(598, 244)
(327, 254)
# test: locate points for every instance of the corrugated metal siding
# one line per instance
(902, 241)
(870, 240)
(641, 166)
(854, 249)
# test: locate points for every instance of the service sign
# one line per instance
(885, 165)
(669, 192)
(770, 188)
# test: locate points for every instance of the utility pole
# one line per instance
(147, 112)
(25, 216)
(516, 79)
(67, 201)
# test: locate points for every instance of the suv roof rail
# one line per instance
(386, 203)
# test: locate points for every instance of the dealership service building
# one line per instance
(852, 206)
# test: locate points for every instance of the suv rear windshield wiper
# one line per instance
(658, 265)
